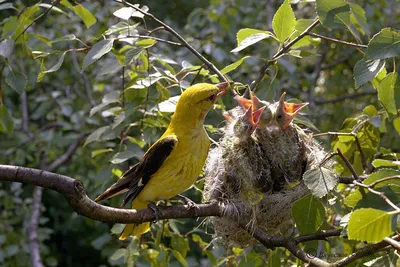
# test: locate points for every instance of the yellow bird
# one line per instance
(173, 163)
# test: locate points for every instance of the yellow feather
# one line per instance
(182, 167)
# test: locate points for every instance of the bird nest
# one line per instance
(258, 172)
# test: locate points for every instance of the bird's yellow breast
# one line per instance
(181, 168)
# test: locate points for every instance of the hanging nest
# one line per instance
(258, 168)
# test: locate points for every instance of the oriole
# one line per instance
(172, 164)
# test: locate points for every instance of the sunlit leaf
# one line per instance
(369, 225)
(233, 66)
(100, 151)
(248, 37)
(284, 21)
(396, 124)
(389, 91)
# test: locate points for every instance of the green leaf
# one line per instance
(384, 44)
(180, 244)
(247, 37)
(95, 136)
(388, 92)
(308, 213)
(396, 124)
(17, 81)
(82, 12)
(284, 21)
(132, 55)
(100, 151)
(366, 70)
(120, 26)
(168, 105)
(354, 197)
(179, 257)
(119, 253)
(57, 65)
(371, 200)
(385, 163)
(333, 13)
(117, 228)
(98, 50)
(301, 26)
(379, 78)
(369, 225)
(6, 121)
(146, 43)
(233, 66)
(358, 18)
(111, 97)
(68, 37)
(6, 48)
(320, 181)
(122, 156)
(44, 39)
(124, 13)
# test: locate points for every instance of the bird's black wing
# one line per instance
(134, 180)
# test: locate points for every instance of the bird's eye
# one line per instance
(211, 97)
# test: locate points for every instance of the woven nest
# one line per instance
(260, 176)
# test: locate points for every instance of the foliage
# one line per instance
(103, 69)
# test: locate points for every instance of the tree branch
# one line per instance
(268, 63)
(344, 97)
(73, 192)
(33, 239)
(365, 251)
(336, 40)
(180, 38)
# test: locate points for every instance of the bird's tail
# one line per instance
(136, 229)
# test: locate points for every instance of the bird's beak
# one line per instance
(253, 118)
(222, 88)
(243, 102)
(246, 103)
(289, 110)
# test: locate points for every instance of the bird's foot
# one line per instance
(190, 203)
(155, 209)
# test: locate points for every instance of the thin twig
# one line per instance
(395, 177)
(180, 38)
(33, 239)
(154, 38)
(365, 251)
(358, 144)
(392, 242)
(336, 40)
(37, 18)
(344, 97)
(348, 164)
(381, 194)
(268, 63)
